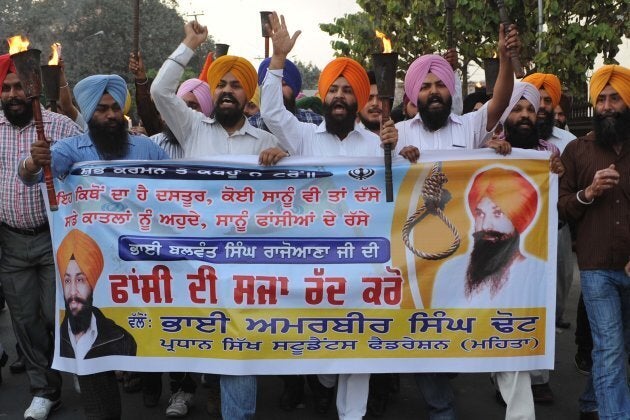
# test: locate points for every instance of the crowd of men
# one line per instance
(206, 117)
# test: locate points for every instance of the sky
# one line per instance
(237, 23)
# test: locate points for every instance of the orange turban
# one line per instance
(6, 66)
(84, 250)
(616, 76)
(354, 73)
(508, 189)
(549, 82)
(239, 67)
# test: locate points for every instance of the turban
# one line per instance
(239, 67)
(290, 74)
(353, 72)
(201, 90)
(6, 66)
(127, 106)
(203, 75)
(508, 189)
(616, 76)
(310, 102)
(522, 90)
(256, 98)
(85, 251)
(549, 82)
(418, 70)
(90, 90)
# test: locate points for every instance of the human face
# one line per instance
(287, 92)
(559, 117)
(370, 115)
(229, 95)
(545, 103)
(489, 217)
(523, 115)
(433, 93)
(191, 101)
(108, 113)
(609, 102)
(12, 89)
(339, 98)
(76, 289)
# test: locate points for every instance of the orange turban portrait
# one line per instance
(354, 73)
(508, 189)
(616, 76)
(85, 251)
(549, 82)
(239, 67)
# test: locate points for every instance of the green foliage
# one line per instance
(310, 75)
(575, 32)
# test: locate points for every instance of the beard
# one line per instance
(559, 124)
(80, 322)
(489, 260)
(110, 140)
(434, 120)
(370, 124)
(612, 128)
(19, 119)
(545, 124)
(522, 137)
(228, 117)
(289, 104)
(337, 125)
(170, 137)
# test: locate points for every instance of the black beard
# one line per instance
(336, 125)
(170, 137)
(490, 259)
(434, 120)
(559, 124)
(545, 125)
(289, 103)
(520, 137)
(18, 119)
(110, 142)
(611, 129)
(374, 126)
(228, 117)
(80, 322)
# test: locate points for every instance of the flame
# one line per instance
(387, 44)
(56, 52)
(17, 44)
(478, 85)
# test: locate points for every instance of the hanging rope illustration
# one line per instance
(432, 195)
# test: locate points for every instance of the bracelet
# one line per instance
(146, 80)
(64, 86)
(586, 203)
(27, 171)
(175, 61)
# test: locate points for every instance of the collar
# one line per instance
(247, 128)
(453, 118)
(46, 118)
(84, 140)
(321, 128)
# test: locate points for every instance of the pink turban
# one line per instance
(429, 63)
(201, 90)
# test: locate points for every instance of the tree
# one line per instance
(310, 74)
(577, 30)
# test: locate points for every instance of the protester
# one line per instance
(144, 104)
(101, 99)
(594, 197)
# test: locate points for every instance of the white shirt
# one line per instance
(466, 131)
(307, 139)
(85, 342)
(200, 136)
(560, 138)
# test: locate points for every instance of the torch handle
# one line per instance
(449, 28)
(266, 47)
(505, 20)
(387, 151)
(48, 178)
(136, 27)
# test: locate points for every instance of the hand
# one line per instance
(451, 57)
(138, 130)
(411, 153)
(389, 133)
(498, 142)
(627, 269)
(556, 166)
(40, 155)
(196, 34)
(271, 156)
(603, 180)
(136, 67)
(508, 41)
(281, 40)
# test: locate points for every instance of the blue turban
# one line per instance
(89, 91)
(291, 75)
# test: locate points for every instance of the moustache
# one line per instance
(339, 102)
(227, 96)
(435, 98)
(491, 236)
(76, 299)
(525, 121)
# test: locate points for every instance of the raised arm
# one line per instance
(146, 108)
(505, 79)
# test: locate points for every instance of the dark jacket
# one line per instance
(112, 340)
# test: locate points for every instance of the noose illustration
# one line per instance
(432, 196)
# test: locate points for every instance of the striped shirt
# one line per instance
(22, 206)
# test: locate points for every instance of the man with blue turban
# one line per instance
(291, 87)
(101, 99)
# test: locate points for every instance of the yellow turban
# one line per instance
(508, 189)
(85, 251)
(127, 106)
(616, 76)
(239, 67)
(256, 98)
(354, 73)
(549, 82)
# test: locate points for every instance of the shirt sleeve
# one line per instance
(458, 101)
(569, 208)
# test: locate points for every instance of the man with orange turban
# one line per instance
(550, 93)
(594, 197)
(85, 332)
(232, 82)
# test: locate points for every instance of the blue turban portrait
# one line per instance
(291, 75)
(89, 91)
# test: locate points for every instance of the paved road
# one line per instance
(474, 393)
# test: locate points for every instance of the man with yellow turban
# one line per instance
(550, 93)
(232, 81)
(594, 196)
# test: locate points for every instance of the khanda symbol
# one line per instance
(361, 173)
